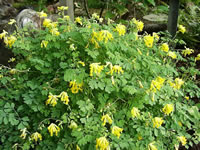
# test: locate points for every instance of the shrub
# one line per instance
(84, 85)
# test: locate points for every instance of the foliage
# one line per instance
(86, 84)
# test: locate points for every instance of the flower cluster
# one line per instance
(8, 40)
(187, 51)
(35, 136)
(197, 58)
(121, 29)
(53, 128)
(148, 39)
(181, 29)
(177, 83)
(102, 143)
(182, 139)
(168, 108)
(139, 24)
(78, 20)
(172, 54)
(116, 131)
(102, 35)
(165, 47)
(52, 26)
(116, 68)
(157, 84)
(106, 118)
(96, 68)
(157, 122)
(151, 146)
(75, 87)
(135, 112)
(52, 99)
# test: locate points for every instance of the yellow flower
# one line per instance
(66, 17)
(64, 97)
(9, 41)
(11, 60)
(197, 58)
(44, 43)
(172, 54)
(140, 137)
(12, 21)
(75, 87)
(102, 143)
(82, 63)
(77, 147)
(78, 20)
(139, 24)
(61, 8)
(96, 68)
(73, 125)
(148, 40)
(55, 31)
(95, 16)
(3, 34)
(157, 122)
(182, 139)
(168, 108)
(116, 131)
(1, 76)
(47, 23)
(178, 83)
(24, 133)
(42, 14)
(52, 100)
(187, 51)
(104, 35)
(165, 47)
(181, 29)
(53, 128)
(156, 36)
(187, 97)
(121, 29)
(118, 69)
(35, 136)
(106, 118)
(135, 112)
(157, 84)
(13, 71)
(151, 146)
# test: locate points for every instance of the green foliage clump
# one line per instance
(89, 86)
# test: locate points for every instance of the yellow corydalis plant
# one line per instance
(177, 83)
(96, 68)
(35, 136)
(106, 118)
(53, 128)
(187, 51)
(115, 68)
(135, 112)
(64, 97)
(157, 122)
(44, 43)
(78, 20)
(73, 125)
(165, 47)
(52, 99)
(9, 40)
(182, 139)
(62, 8)
(157, 84)
(24, 133)
(181, 29)
(117, 131)
(42, 14)
(148, 39)
(75, 87)
(102, 143)
(139, 24)
(121, 29)
(172, 54)
(104, 35)
(168, 108)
